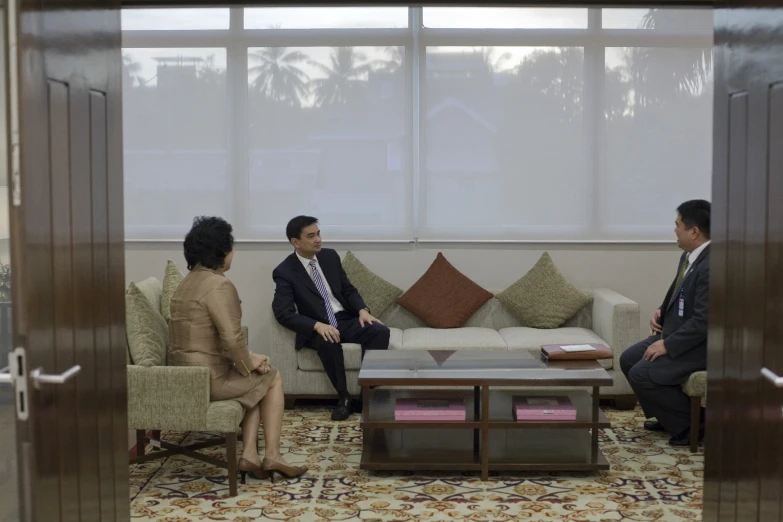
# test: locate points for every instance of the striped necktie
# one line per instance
(319, 284)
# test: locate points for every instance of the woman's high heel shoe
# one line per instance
(278, 468)
(257, 472)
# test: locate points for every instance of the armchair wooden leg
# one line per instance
(289, 402)
(141, 442)
(695, 423)
(231, 461)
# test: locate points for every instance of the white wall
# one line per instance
(640, 272)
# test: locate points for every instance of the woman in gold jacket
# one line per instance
(205, 330)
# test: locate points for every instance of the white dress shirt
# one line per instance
(693, 256)
(336, 306)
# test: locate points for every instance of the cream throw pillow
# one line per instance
(377, 293)
(543, 298)
(171, 280)
(146, 329)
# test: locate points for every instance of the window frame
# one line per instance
(415, 39)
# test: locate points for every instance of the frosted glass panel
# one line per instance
(175, 138)
(174, 19)
(658, 141)
(504, 142)
(658, 19)
(505, 17)
(325, 17)
(328, 138)
(383, 135)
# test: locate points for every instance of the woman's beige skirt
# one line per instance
(245, 390)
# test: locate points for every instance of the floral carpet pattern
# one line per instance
(648, 480)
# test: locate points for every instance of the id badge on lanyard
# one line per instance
(681, 303)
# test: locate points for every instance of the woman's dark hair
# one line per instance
(208, 242)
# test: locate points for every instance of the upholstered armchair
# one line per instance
(171, 398)
(696, 388)
(177, 398)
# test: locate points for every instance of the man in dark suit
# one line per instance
(677, 346)
(315, 299)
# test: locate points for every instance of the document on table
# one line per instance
(576, 348)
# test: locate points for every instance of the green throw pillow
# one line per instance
(377, 293)
(146, 329)
(543, 298)
(171, 280)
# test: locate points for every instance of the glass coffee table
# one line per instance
(489, 438)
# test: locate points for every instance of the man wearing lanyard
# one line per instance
(677, 345)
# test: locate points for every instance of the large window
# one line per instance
(428, 123)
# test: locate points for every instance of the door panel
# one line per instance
(9, 510)
(62, 302)
(717, 336)
(771, 482)
(743, 465)
(738, 139)
(83, 316)
(68, 247)
(101, 315)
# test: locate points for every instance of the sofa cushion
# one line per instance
(399, 317)
(522, 338)
(146, 329)
(465, 338)
(543, 297)
(444, 297)
(377, 293)
(493, 314)
(308, 360)
(152, 290)
(171, 280)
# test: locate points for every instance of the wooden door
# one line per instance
(743, 460)
(67, 247)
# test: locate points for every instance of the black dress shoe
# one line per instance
(684, 439)
(343, 409)
(654, 426)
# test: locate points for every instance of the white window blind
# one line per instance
(430, 123)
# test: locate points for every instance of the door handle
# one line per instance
(15, 375)
(39, 378)
(772, 377)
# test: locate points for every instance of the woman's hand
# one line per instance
(261, 363)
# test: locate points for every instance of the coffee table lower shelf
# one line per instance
(509, 450)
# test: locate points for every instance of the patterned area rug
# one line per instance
(648, 480)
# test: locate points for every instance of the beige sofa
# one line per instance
(611, 319)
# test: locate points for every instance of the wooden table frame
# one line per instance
(481, 424)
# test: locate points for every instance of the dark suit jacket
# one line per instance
(298, 305)
(685, 338)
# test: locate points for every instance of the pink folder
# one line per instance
(429, 410)
(543, 408)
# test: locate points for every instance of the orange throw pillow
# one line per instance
(444, 297)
